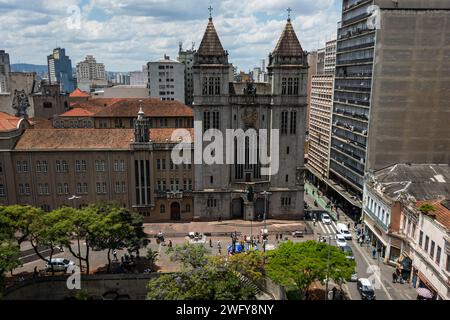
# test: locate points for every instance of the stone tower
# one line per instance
(223, 189)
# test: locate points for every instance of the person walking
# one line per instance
(115, 255)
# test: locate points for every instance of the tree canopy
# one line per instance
(301, 264)
(202, 278)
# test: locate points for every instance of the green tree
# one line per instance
(301, 264)
(210, 279)
(250, 264)
(189, 255)
(115, 227)
(50, 230)
(9, 258)
(17, 219)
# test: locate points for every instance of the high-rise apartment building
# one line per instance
(391, 90)
(60, 70)
(321, 105)
(5, 70)
(91, 74)
(166, 79)
(186, 57)
(330, 57)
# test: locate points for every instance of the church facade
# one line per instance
(240, 190)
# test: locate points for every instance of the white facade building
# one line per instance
(166, 79)
(139, 78)
(91, 74)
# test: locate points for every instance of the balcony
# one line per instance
(355, 47)
(354, 61)
(352, 88)
(377, 220)
(354, 19)
(353, 102)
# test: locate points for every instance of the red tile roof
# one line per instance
(441, 213)
(78, 112)
(75, 139)
(41, 123)
(77, 93)
(161, 135)
(8, 122)
(89, 139)
(128, 108)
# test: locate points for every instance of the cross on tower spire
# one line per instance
(289, 13)
(210, 9)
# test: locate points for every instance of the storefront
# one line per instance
(375, 236)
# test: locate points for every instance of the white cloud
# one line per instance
(126, 34)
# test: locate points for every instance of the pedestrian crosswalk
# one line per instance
(327, 229)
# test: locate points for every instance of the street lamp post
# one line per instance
(265, 194)
(74, 198)
(328, 267)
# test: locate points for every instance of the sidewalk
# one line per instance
(226, 227)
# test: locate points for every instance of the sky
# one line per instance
(126, 34)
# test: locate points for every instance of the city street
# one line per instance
(366, 267)
(375, 270)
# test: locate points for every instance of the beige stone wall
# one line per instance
(410, 98)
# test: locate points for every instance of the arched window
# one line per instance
(162, 208)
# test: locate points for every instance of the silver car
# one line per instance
(59, 264)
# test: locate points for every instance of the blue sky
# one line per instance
(125, 34)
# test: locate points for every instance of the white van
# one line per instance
(343, 230)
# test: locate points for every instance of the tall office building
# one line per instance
(166, 79)
(60, 70)
(5, 70)
(321, 105)
(91, 74)
(186, 57)
(320, 68)
(330, 57)
(391, 90)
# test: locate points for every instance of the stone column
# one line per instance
(249, 211)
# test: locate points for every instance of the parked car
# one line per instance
(297, 234)
(343, 230)
(348, 252)
(59, 264)
(326, 218)
(340, 240)
(366, 289)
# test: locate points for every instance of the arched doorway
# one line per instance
(175, 211)
(237, 208)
